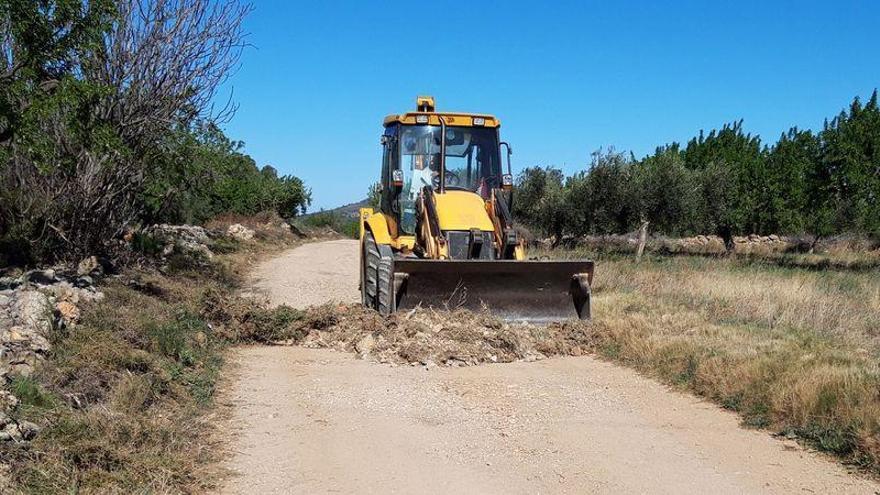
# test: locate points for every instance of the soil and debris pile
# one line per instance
(427, 337)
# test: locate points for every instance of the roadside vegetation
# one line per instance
(124, 398)
(344, 225)
(109, 121)
(725, 182)
(792, 349)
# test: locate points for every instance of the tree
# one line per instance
(602, 200)
(92, 93)
(55, 156)
(746, 205)
(724, 182)
(790, 166)
(539, 201)
(206, 174)
(667, 193)
(42, 43)
(851, 161)
(720, 204)
(374, 195)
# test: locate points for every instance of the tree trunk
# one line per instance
(643, 238)
(726, 234)
(813, 244)
(557, 237)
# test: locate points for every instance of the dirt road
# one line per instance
(311, 274)
(319, 421)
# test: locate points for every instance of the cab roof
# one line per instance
(425, 105)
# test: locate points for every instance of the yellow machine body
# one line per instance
(455, 244)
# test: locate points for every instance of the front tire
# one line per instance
(369, 271)
(386, 286)
(377, 279)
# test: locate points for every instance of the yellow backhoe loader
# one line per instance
(443, 235)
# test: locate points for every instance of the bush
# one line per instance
(339, 223)
(107, 122)
(540, 200)
(206, 175)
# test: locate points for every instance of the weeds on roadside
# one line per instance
(790, 349)
(123, 395)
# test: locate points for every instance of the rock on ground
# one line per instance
(31, 307)
(240, 232)
(185, 239)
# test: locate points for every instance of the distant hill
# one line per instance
(346, 211)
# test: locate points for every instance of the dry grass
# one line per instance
(123, 394)
(794, 350)
(268, 227)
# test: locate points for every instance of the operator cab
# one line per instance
(412, 158)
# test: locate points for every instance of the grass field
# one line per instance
(793, 349)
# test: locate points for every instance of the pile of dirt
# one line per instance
(444, 338)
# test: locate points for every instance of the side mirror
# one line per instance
(397, 177)
(507, 179)
(507, 182)
(384, 139)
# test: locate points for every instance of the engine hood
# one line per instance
(462, 210)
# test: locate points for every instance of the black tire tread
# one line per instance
(378, 277)
(385, 272)
(370, 276)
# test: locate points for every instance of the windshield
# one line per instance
(472, 163)
(472, 160)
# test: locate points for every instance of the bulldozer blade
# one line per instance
(523, 291)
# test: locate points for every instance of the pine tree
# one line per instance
(851, 161)
(791, 163)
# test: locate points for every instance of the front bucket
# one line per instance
(526, 291)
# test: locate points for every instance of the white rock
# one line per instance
(240, 232)
(34, 311)
(87, 266)
(366, 344)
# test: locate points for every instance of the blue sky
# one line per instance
(565, 78)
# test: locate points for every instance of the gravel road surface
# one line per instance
(319, 421)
